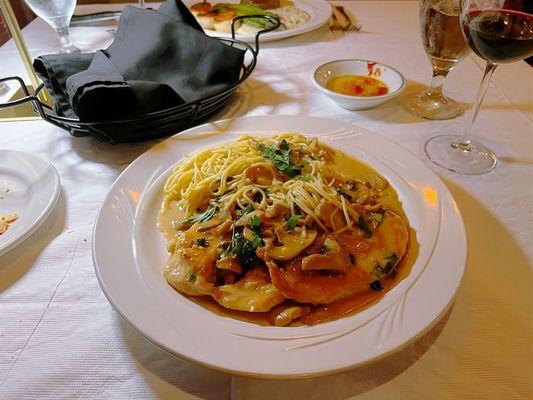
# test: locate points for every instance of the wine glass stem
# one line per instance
(464, 143)
(64, 38)
(437, 82)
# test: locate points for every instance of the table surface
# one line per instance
(61, 339)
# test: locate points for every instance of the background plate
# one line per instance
(129, 253)
(32, 185)
(319, 10)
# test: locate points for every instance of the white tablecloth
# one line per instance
(60, 338)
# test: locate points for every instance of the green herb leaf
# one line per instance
(257, 241)
(364, 227)
(255, 224)
(305, 177)
(243, 249)
(248, 209)
(392, 260)
(281, 158)
(376, 218)
(292, 221)
(205, 216)
(244, 10)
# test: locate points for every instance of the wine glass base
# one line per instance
(69, 50)
(474, 158)
(429, 106)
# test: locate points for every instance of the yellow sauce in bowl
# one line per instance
(357, 85)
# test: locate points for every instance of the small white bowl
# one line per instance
(388, 75)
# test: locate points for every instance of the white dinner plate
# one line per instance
(319, 11)
(29, 187)
(129, 254)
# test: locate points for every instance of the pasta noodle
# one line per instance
(204, 175)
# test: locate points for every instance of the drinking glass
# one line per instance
(499, 31)
(57, 13)
(445, 47)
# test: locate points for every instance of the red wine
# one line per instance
(499, 36)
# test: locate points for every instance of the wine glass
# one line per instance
(445, 47)
(499, 31)
(57, 13)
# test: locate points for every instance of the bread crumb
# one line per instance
(6, 221)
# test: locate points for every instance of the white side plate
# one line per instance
(29, 186)
(129, 253)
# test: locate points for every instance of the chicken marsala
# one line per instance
(273, 226)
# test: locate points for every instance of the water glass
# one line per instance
(57, 13)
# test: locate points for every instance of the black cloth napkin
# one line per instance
(159, 59)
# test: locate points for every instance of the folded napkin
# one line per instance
(159, 59)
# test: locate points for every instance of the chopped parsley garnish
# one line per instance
(392, 260)
(281, 158)
(292, 221)
(352, 258)
(205, 216)
(244, 249)
(255, 224)
(376, 285)
(305, 177)
(257, 241)
(248, 209)
(364, 227)
(376, 218)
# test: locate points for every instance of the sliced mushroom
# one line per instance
(331, 262)
(331, 245)
(284, 315)
(330, 215)
(248, 234)
(333, 259)
(292, 243)
(261, 174)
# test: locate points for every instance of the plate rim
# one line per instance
(462, 249)
(46, 211)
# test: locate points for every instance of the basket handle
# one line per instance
(38, 106)
(27, 97)
(274, 19)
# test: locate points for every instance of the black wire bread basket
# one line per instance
(156, 124)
